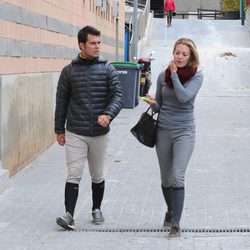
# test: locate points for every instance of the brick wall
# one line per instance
(40, 36)
(37, 38)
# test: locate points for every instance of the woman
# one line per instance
(169, 8)
(177, 88)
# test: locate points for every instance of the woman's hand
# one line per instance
(172, 67)
(150, 100)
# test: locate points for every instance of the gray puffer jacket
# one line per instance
(87, 89)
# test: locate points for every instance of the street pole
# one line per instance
(242, 11)
(116, 39)
(135, 31)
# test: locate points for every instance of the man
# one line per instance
(88, 98)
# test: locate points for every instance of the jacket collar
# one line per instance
(79, 60)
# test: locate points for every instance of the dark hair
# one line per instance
(83, 33)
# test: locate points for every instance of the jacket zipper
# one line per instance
(90, 104)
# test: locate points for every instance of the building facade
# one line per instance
(37, 39)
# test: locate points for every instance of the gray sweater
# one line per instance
(176, 106)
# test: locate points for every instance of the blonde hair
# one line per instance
(194, 59)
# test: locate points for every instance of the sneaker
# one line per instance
(97, 216)
(175, 231)
(168, 219)
(66, 221)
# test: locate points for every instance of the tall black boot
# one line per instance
(167, 194)
(97, 194)
(168, 21)
(178, 202)
(71, 195)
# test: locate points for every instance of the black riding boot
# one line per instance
(71, 195)
(167, 194)
(97, 194)
(178, 202)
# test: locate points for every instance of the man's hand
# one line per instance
(60, 139)
(103, 120)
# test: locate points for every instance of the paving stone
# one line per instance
(217, 181)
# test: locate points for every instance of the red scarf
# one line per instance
(184, 75)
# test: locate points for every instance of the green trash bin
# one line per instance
(129, 75)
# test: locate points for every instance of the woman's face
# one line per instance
(182, 55)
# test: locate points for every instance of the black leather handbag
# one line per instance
(145, 129)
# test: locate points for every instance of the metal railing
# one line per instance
(142, 18)
(209, 13)
(131, 3)
(201, 14)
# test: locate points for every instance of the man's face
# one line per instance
(91, 49)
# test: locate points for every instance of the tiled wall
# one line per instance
(40, 36)
(37, 39)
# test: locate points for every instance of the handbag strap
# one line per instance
(152, 112)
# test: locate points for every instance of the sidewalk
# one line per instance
(217, 206)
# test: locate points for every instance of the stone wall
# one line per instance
(27, 111)
(247, 22)
(191, 6)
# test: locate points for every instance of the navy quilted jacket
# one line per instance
(87, 89)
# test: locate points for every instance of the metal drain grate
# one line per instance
(161, 230)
